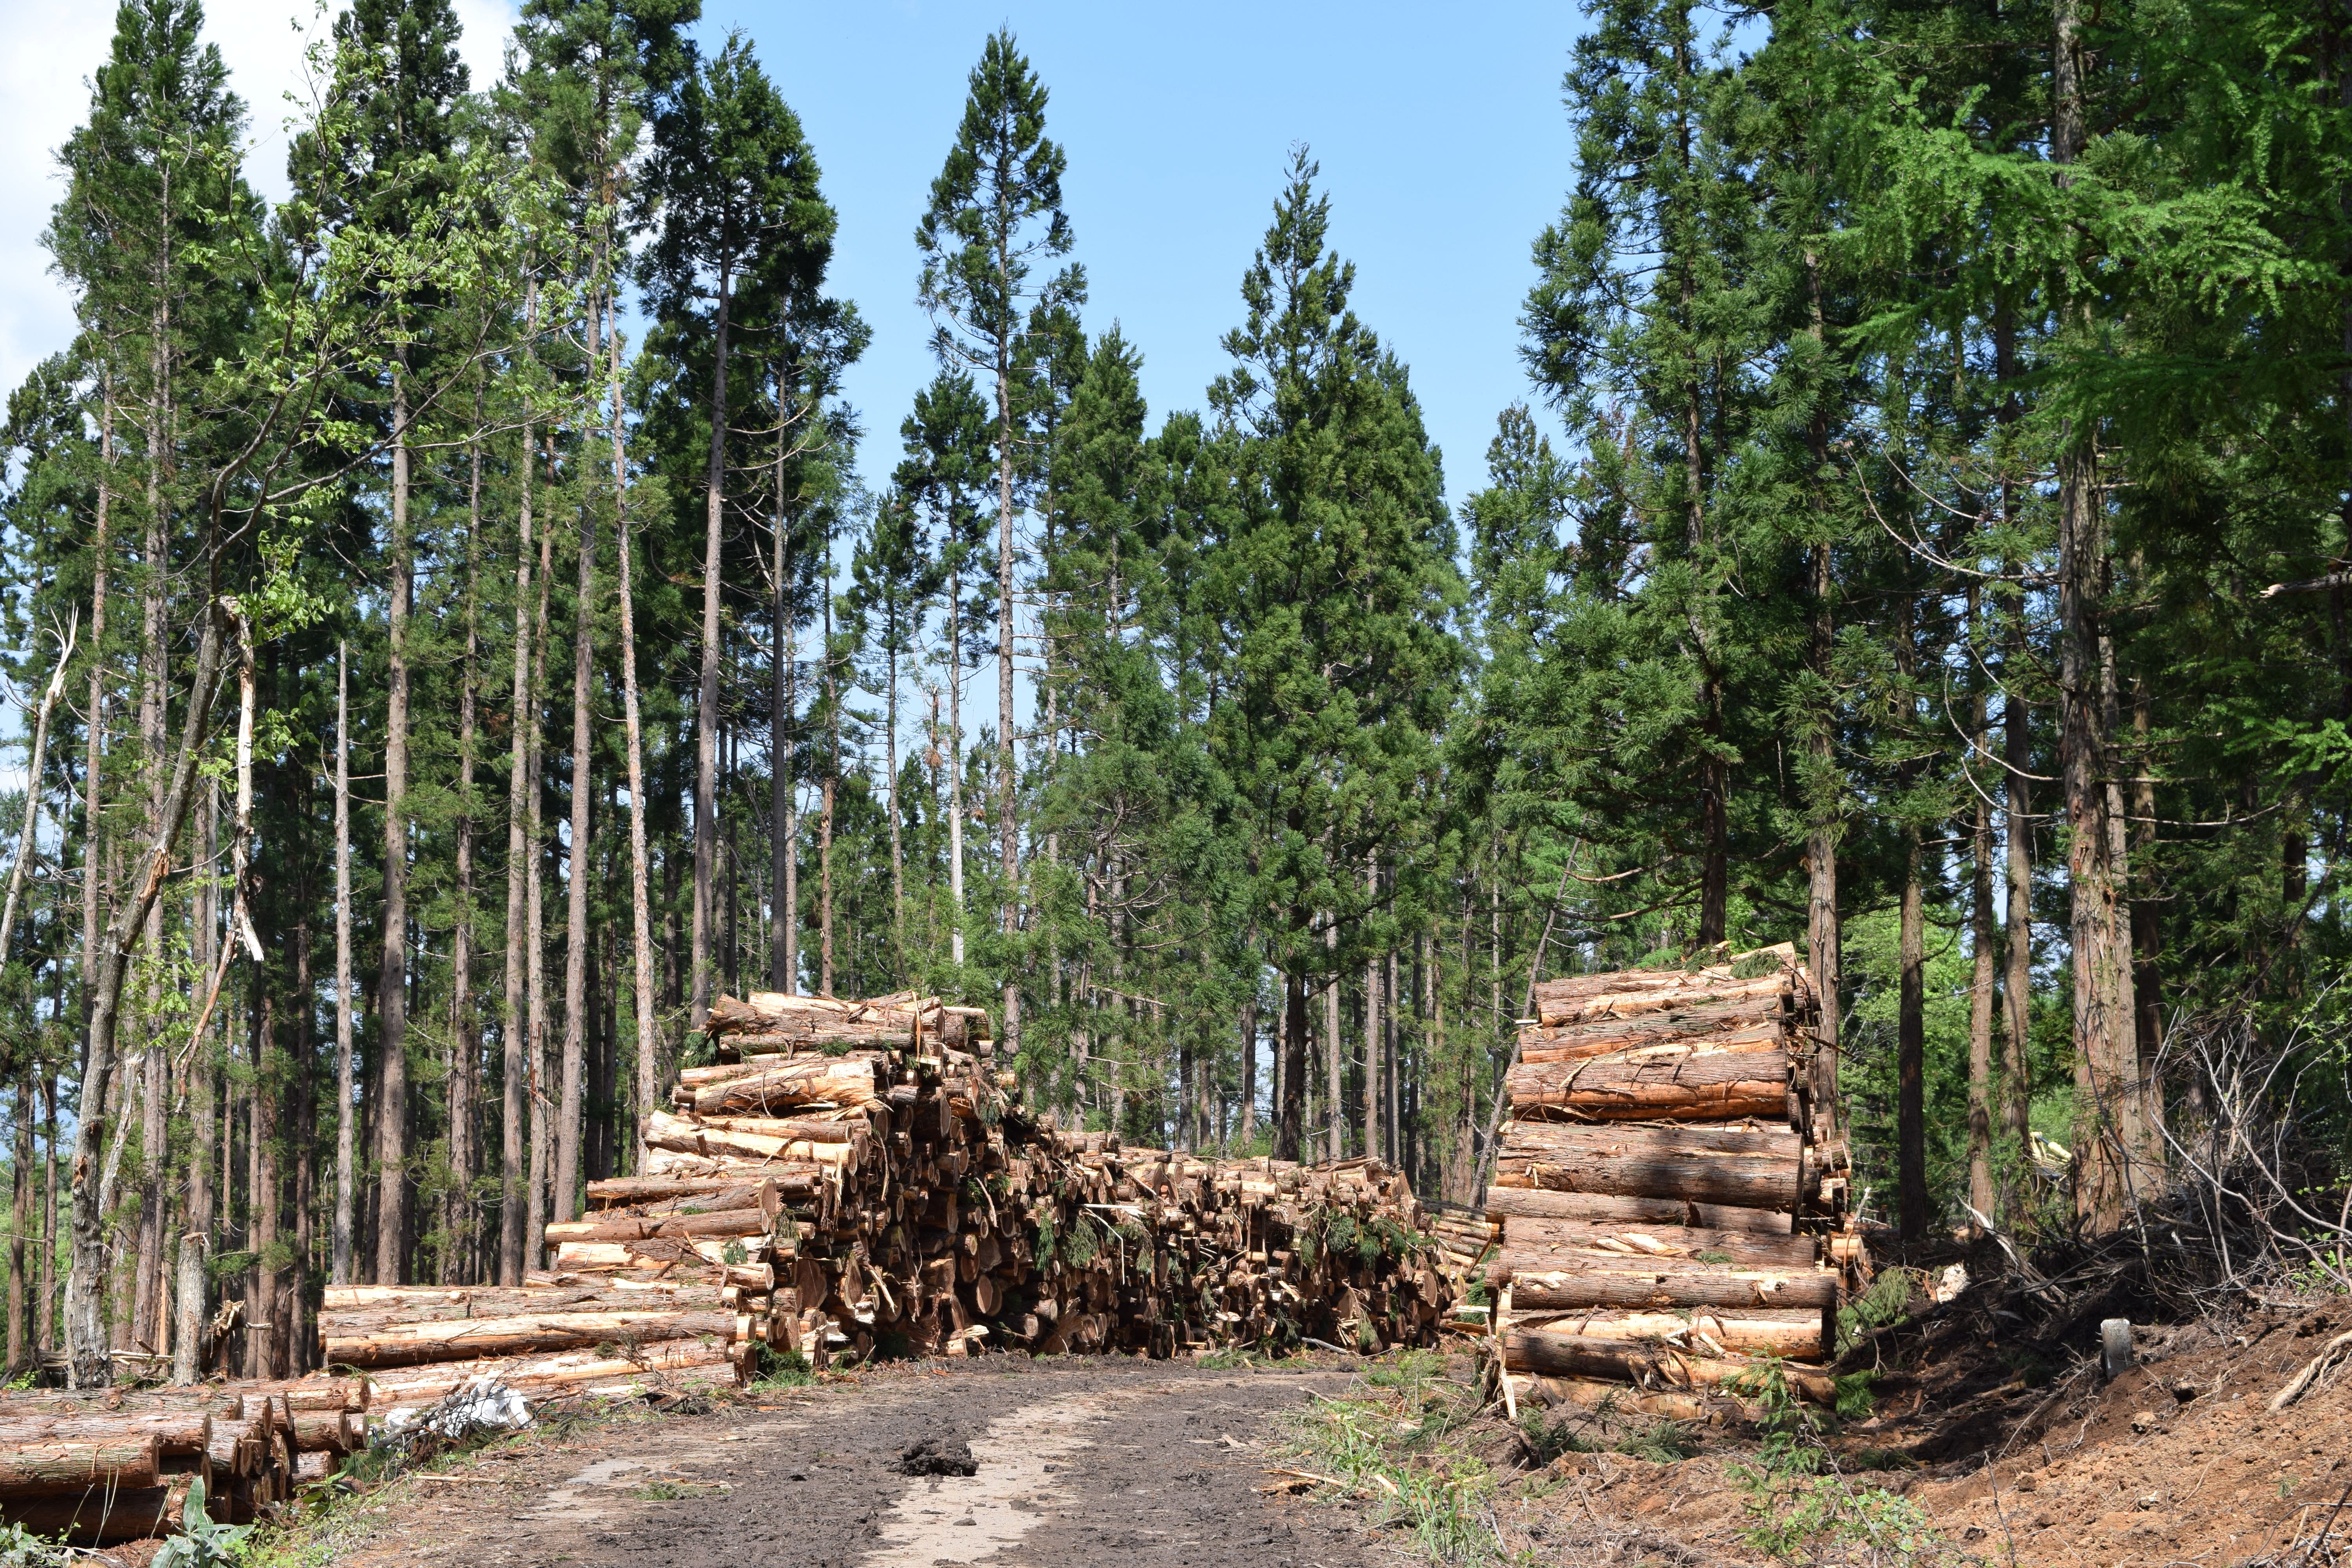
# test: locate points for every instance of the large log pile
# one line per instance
(912, 1208)
(1668, 1199)
(116, 1465)
(849, 1180)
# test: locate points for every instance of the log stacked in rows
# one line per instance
(112, 1465)
(1669, 1189)
(915, 1210)
(849, 1180)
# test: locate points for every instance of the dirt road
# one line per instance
(1076, 1463)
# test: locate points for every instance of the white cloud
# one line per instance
(45, 81)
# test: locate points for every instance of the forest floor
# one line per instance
(1975, 1452)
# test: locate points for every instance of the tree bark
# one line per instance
(392, 985)
(1982, 1089)
(464, 1086)
(955, 765)
(2109, 1137)
(89, 1365)
(339, 1272)
(514, 1033)
(783, 946)
(578, 863)
(1911, 1047)
(648, 1070)
(535, 897)
(1290, 1114)
(706, 729)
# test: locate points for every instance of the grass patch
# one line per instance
(1386, 1441)
(782, 1369)
(1800, 1508)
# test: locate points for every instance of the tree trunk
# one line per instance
(783, 954)
(346, 1175)
(535, 901)
(1290, 1117)
(705, 729)
(1911, 1047)
(85, 1307)
(824, 832)
(392, 986)
(2109, 1131)
(648, 1074)
(514, 1031)
(1981, 1087)
(1373, 1142)
(457, 1212)
(955, 765)
(575, 924)
(1008, 763)
(898, 849)
(1334, 1052)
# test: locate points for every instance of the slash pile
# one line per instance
(114, 1464)
(1669, 1189)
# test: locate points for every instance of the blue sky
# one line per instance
(1440, 132)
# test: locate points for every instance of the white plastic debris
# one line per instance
(485, 1405)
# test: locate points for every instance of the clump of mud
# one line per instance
(938, 1457)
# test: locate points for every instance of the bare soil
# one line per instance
(2016, 1451)
(1078, 1462)
(2178, 1461)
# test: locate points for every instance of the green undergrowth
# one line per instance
(1801, 1511)
(1393, 1441)
(326, 1520)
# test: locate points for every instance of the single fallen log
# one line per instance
(1648, 1364)
(1610, 1208)
(1757, 1023)
(1554, 1009)
(685, 1136)
(1749, 1168)
(1796, 1334)
(845, 1083)
(725, 1223)
(102, 1518)
(1664, 1242)
(411, 1344)
(42, 1468)
(349, 1311)
(1621, 1285)
(1670, 1086)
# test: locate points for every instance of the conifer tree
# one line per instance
(1334, 586)
(995, 215)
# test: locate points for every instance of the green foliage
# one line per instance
(1387, 1442)
(19, 1548)
(201, 1544)
(1888, 1300)
(1796, 1511)
(782, 1369)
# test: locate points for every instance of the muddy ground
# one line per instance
(1077, 1461)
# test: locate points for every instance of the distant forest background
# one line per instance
(433, 699)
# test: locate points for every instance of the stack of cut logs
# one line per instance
(116, 1465)
(849, 1179)
(888, 1197)
(1669, 1189)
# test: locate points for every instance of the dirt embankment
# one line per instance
(2177, 1461)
